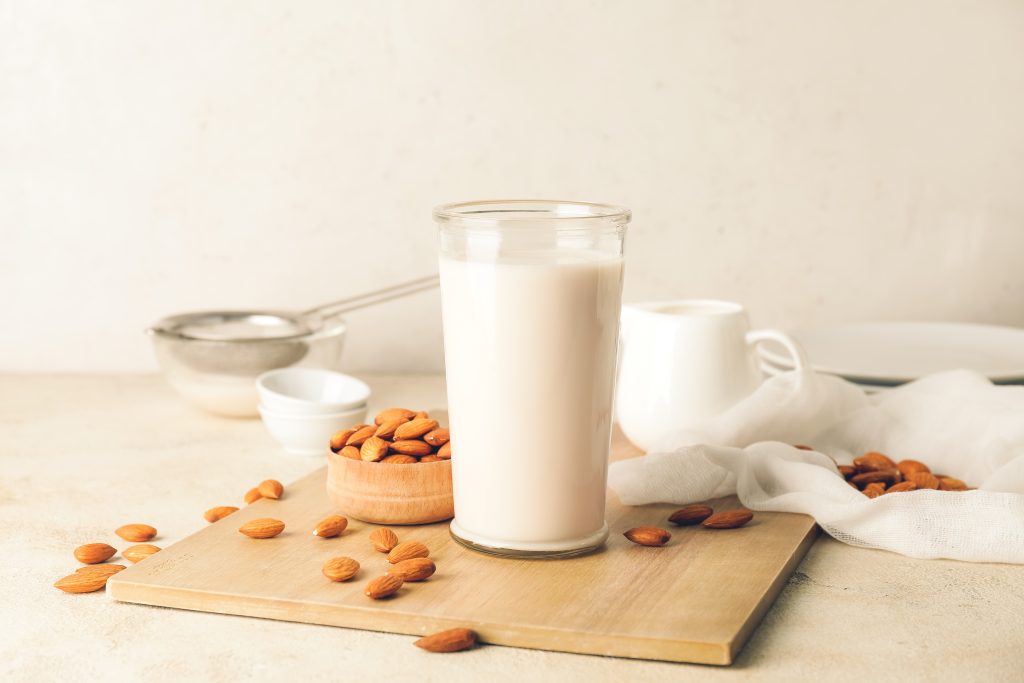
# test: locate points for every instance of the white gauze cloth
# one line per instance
(957, 422)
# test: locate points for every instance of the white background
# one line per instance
(816, 160)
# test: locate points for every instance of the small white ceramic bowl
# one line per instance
(310, 391)
(308, 434)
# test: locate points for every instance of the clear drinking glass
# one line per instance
(531, 294)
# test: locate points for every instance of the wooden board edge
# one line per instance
(533, 638)
(768, 599)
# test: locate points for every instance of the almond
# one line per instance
(728, 520)
(252, 495)
(648, 535)
(101, 569)
(383, 539)
(452, 640)
(431, 458)
(803, 447)
(874, 490)
(83, 582)
(360, 436)
(887, 476)
(924, 480)
(340, 438)
(416, 569)
(445, 451)
(382, 587)
(690, 514)
(393, 414)
(351, 452)
(437, 437)
(271, 488)
(407, 551)
(902, 486)
(340, 568)
(373, 449)
(264, 527)
(398, 459)
(415, 429)
(94, 553)
(412, 447)
(847, 471)
(136, 533)
(332, 526)
(873, 461)
(387, 429)
(218, 513)
(420, 414)
(951, 484)
(909, 467)
(137, 553)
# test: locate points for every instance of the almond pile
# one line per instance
(875, 474)
(398, 436)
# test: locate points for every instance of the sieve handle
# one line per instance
(375, 297)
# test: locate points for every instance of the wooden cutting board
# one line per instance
(697, 599)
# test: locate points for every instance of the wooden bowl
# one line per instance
(420, 493)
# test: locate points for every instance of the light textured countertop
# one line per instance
(82, 455)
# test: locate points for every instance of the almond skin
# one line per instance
(445, 451)
(340, 438)
(137, 553)
(387, 429)
(407, 551)
(383, 539)
(373, 449)
(218, 513)
(393, 414)
(83, 582)
(873, 461)
(437, 437)
(271, 488)
(136, 533)
(252, 495)
(431, 458)
(332, 526)
(398, 459)
(94, 553)
(847, 471)
(382, 587)
(902, 486)
(420, 414)
(351, 452)
(889, 476)
(452, 640)
(909, 467)
(100, 569)
(407, 447)
(690, 515)
(874, 490)
(416, 569)
(730, 519)
(340, 568)
(414, 429)
(924, 480)
(648, 535)
(361, 436)
(264, 527)
(951, 484)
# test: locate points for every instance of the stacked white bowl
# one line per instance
(303, 407)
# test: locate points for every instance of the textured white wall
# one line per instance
(816, 160)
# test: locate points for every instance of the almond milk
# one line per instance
(530, 351)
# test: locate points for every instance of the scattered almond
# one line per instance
(252, 495)
(873, 461)
(803, 447)
(351, 452)
(412, 447)
(437, 437)
(100, 569)
(690, 514)
(340, 568)
(416, 569)
(445, 451)
(137, 553)
(874, 489)
(383, 539)
(383, 586)
(136, 533)
(888, 476)
(909, 467)
(394, 414)
(361, 435)
(415, 429)
(847, 471)
(264, 527)
(218, 513)
(648, 535)
(951, 484)
(83, 582)
(902, 486)
(730, 519)
(407, 551)
(924, 480)
(271, 488)
(399, 459)
(373, 449)
(94, 553)
(452, 640)
(332, 526)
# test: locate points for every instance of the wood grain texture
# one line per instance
(391, 494)
(697, 599)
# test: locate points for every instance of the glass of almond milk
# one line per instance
(531, 294)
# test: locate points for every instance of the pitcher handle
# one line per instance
(795, 350)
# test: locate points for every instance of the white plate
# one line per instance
(896, 352)
(770, 371)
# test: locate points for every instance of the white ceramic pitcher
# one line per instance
(684, 361)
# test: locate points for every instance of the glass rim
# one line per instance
(495, 212)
